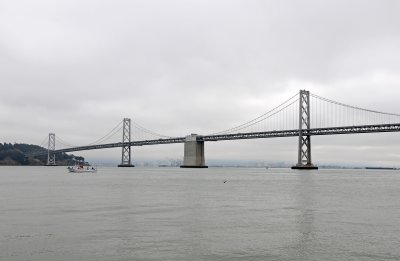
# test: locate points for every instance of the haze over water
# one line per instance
(199, 214)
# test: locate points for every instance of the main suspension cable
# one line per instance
(256, 120)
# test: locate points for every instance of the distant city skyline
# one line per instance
(77, 68)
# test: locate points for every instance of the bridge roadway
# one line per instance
(248, 135)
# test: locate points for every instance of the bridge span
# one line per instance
(194, 143)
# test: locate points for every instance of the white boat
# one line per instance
(81, 168)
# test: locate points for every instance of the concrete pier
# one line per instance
(193, 153)
(311, 166)
(126, 165)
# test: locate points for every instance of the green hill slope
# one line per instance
(14, 155)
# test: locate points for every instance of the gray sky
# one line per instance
(77, 68)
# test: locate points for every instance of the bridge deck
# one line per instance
(248, 135)
(311, 132)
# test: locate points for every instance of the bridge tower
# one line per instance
(304, 150)
(126, 144)
(51, 147)
(193, 152)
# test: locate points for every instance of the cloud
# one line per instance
(179, 67)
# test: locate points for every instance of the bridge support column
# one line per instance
(126, 144)
(193, 153)
(51, 147)
(304, 151)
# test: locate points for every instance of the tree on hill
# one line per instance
(15, 154)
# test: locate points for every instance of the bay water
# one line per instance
(47, 213)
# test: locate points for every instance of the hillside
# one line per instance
(14, 155)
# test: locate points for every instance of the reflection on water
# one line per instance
(305, 219)
(207, 214)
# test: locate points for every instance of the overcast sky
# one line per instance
(77, 68)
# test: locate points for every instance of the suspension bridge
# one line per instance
(302, 115)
